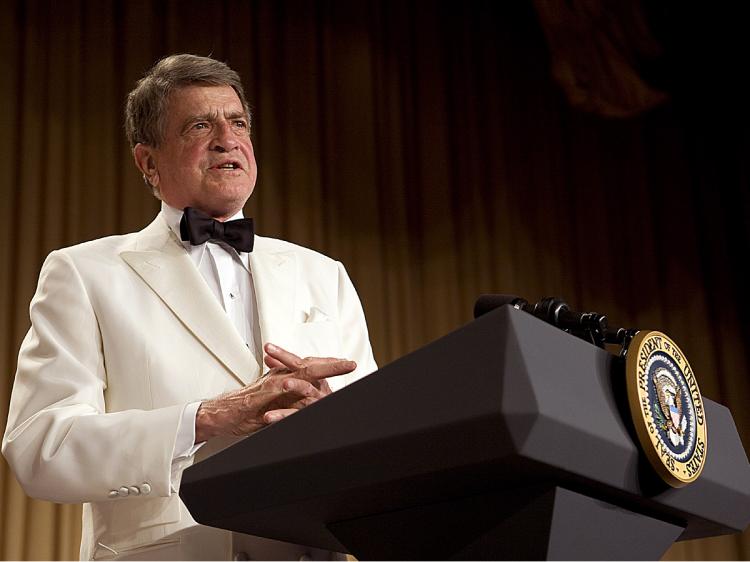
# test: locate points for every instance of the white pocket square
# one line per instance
(315, 315)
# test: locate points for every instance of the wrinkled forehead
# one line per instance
(203, 100)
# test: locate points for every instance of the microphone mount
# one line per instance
(589, 326)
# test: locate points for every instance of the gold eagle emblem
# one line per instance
(669, 394)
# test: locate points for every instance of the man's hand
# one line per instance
(290, 385)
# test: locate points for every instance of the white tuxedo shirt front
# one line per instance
(124, 333)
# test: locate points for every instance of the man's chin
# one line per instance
(225, 207)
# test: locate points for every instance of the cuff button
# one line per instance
(123, 492)
(145, 488)
(113, 494)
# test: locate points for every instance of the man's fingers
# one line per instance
(302, 388)
(290, 385)
(283, 357)
(316, 367)
(316, 360)
(325, 388)
(272, 416)
(273, 363)
(332, 368)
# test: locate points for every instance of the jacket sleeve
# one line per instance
(60, 440)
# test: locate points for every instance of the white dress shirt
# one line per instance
(227, 273)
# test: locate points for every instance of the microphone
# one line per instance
(487, 303)
(590, 326)
(557, 312)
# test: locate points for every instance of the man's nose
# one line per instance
(224, 138)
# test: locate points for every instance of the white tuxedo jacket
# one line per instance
(124, 333)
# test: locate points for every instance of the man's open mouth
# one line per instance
(227, 166)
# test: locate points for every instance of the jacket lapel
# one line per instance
(274, 275)
(163, 264)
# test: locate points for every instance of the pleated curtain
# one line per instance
(435, 148)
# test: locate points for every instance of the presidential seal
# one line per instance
(667, 408)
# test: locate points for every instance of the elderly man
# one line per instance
(144, 346)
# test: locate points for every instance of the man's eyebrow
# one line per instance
(196, 118)
(212, 116)
(236, 115)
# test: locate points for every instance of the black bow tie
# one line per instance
(198, 227)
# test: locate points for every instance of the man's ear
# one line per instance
(145, 160)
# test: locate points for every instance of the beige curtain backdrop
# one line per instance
(427, 145)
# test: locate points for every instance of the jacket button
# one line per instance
(113, 494)
(145, 488)
(122, 492)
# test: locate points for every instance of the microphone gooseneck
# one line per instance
(590, 326)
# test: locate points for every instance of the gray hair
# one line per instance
(146, 106)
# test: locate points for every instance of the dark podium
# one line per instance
(506, 439)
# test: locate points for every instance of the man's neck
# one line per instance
(237, 215)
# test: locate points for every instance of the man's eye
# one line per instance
(200, 125)
(240, 124)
